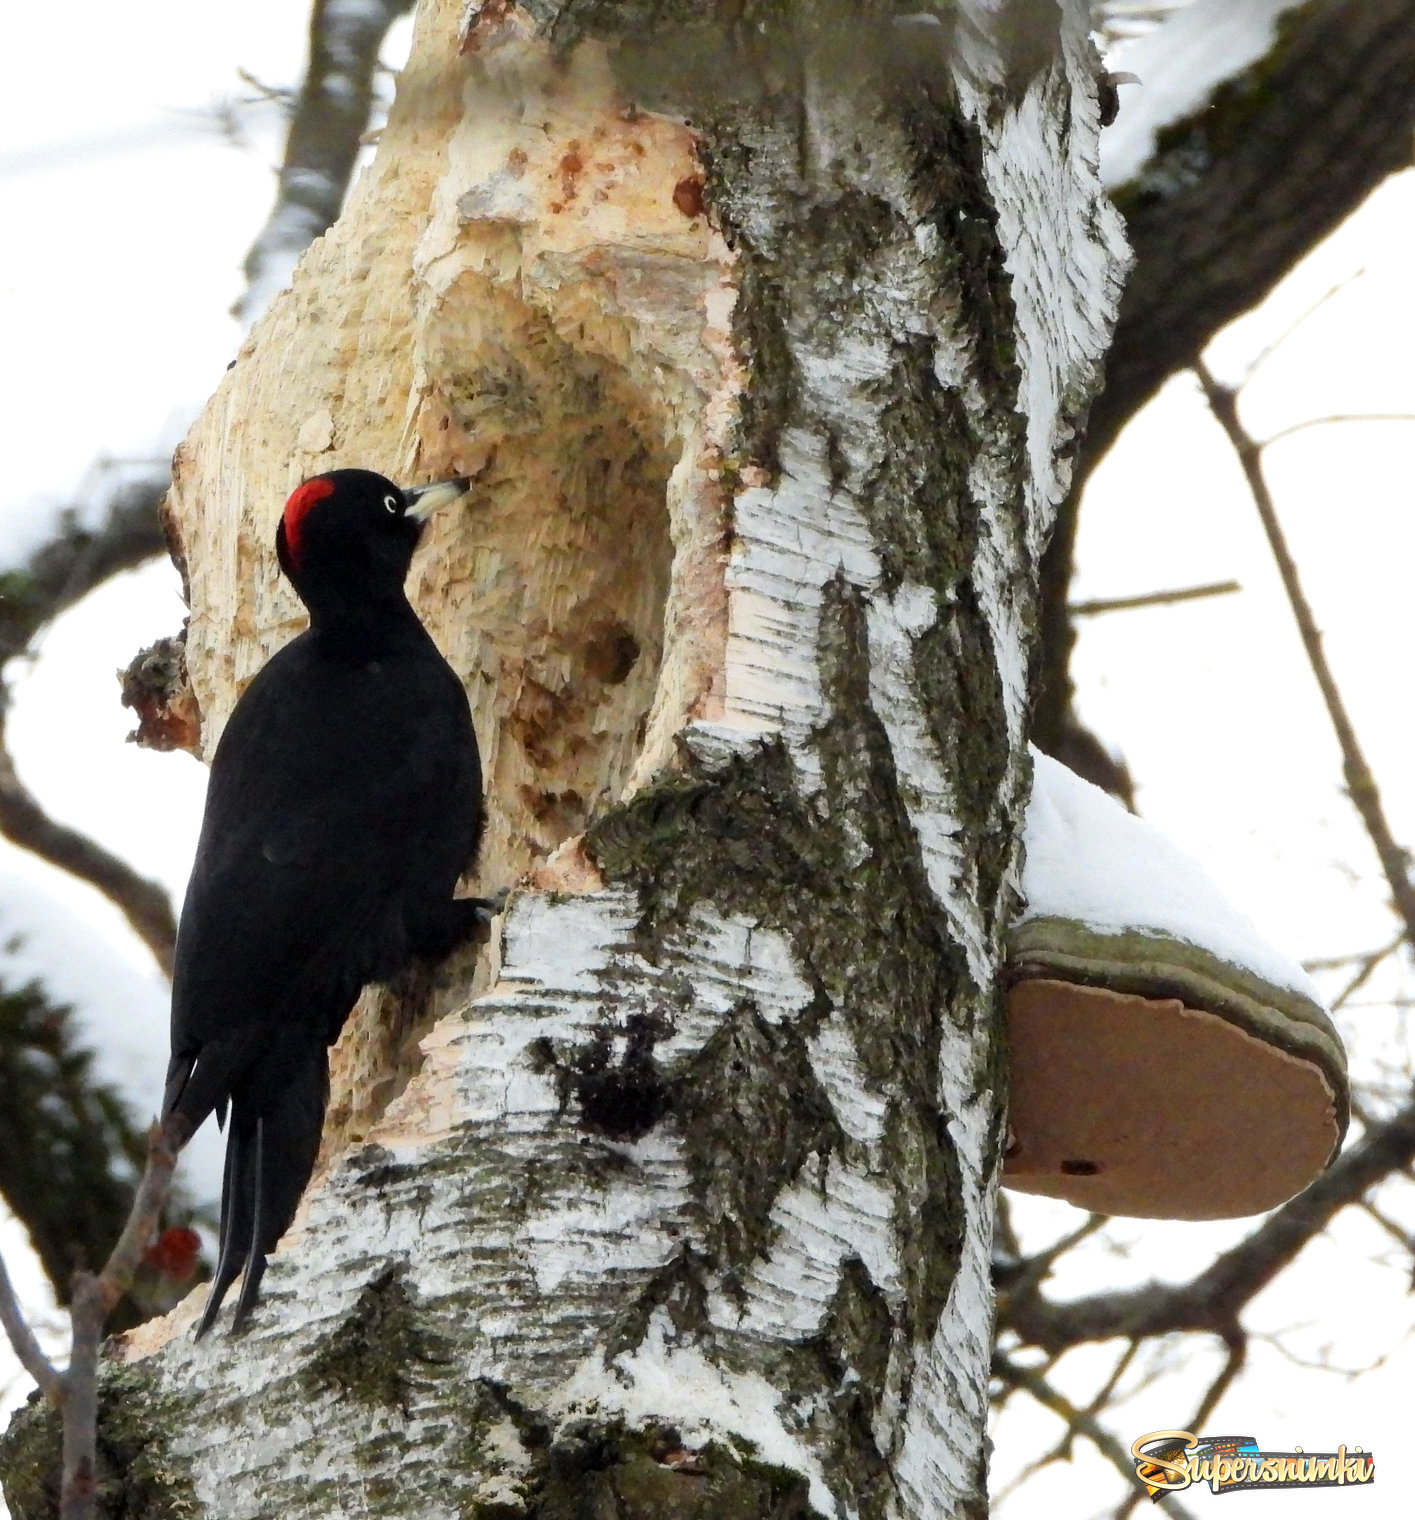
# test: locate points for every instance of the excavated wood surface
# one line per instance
(559, 334)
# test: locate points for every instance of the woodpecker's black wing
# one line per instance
(344, 802)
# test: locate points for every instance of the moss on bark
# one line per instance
(380, 1348)
(841, 876)
(139, 1477)
(595, 1470)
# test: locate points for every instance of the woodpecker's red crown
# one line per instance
(350, 534)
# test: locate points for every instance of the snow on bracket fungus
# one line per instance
(1166, 1061)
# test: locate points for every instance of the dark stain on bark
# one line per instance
(853, 1347)
(380, 1350)
(679, 1289)
(749, 1094)
(591, 1469)
(621, 1098)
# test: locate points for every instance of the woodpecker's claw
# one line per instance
(489, 907)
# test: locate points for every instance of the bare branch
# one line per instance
(1077, 1420)
(330, 116)
(77, 558)
(1233, 1364)
(79, 1481)
(1266, 353)
(93, 1300)
(1153, 598)
(1360, 783)
(1316, 422)
(75, 1392)
(1238, 193)
(1122, 1366)
(1353, 958)
(1397, 1232)
(1365, 971)
(1232, 199)
(69, 1153)
(143, 903)
(57, 575)
(116, 1278)
(1026, 1274)
(25, 1346)
(1214, 1300)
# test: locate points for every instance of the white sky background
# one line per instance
(127, 216)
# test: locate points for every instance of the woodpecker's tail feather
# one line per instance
(270, 1155)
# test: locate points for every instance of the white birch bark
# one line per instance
(683, 1203)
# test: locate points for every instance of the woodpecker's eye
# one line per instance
(392, 503)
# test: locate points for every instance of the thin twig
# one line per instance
(26, 1347)
(1025, 1274)
(1360, 783)
(1152, 598)
(1117, 1372)
(1364, 972)
(1316, 422)
(1265, 354)
(93, 1301)
(1353, 958)
(1214, 1300)
(1077, 1420)
(1232, 1365)
(1322, 1362)
(1397, 1232)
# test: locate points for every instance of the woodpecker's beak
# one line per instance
(423, 501)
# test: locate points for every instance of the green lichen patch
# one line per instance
(503, 1450)
(749, 1095)
(139, 1478)
(929, 1211)
(853, 1348)
(916, 498)
(381, 1349)
(950, 181)
(855, 1337)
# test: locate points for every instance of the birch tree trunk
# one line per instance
(764, 331)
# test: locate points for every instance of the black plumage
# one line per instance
(344, 804)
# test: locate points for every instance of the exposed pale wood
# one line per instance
(560, 335)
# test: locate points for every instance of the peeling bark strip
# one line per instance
(689, 1212)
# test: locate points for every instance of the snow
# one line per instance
(1180, 65)
(1091, 861)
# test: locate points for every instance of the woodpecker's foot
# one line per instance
(489, 907)
(462, 921)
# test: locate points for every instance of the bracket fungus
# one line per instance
(1166, 1061)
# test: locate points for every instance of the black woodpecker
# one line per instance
(345, 802)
